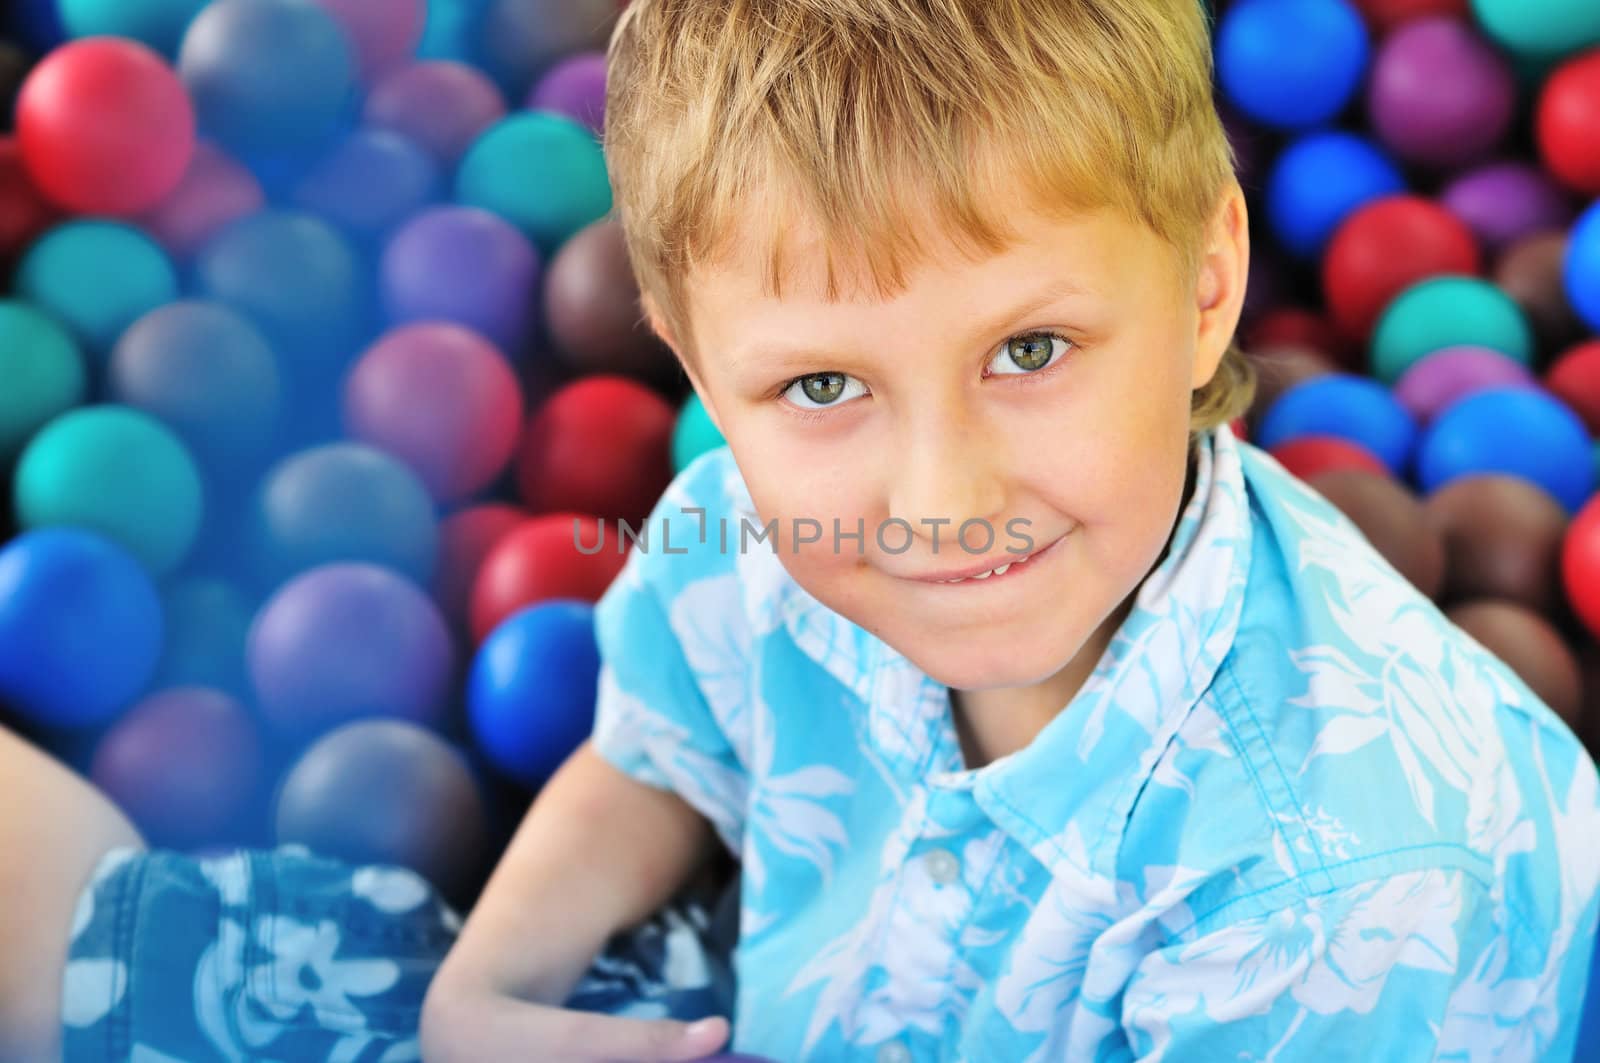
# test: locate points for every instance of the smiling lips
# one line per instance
(994, 573)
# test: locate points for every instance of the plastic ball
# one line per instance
(390, 795)
(1580, 567)
(369, 182)
(43, 371)
(105, 127)
(1444, 377)
(24, 212)
(440, 105)
(441, 399)
(1319, 181)
(520, 39)
(1582, 269)
(465, 265)
(694, 434)
(118, 472)
(465, 539)
(1506, 201)
(236, 60)
(1530, 646)
(1440, 95)
(1347, 407)
(1575, 379)
(451, 30)
(207, 373)
(1310, 456)
(345, 502)
(1531, 271)
(80, 627)
(384, 33)
(1448, 312)
(1386, 247)
(131, 277)
(349, 640)
(542, 172)
(1291, 64)
(591, 302)
(183, 764)
(158, 24)
(557, 555)
(600, 445)
(1385, 15)
(208, 620)
(575, 87)
(1511, 430)
(1296, 326)
(1540, 30)
(1568, 124)
(214, 191)
(531, 692)
(1502, 537)
(1392, 520)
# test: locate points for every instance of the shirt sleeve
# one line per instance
(1411, 967)
(652, 720)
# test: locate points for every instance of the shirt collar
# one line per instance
(1066, 794)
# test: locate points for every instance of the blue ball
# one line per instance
(1319, 181)
(1292, 64)
(1582, 272)
(1350, 407)
(80, 627)
(1516, 431)
(531, 692)
(370, 182)
(157, 23)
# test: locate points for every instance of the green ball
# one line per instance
(97, 278)
(1444, 312)
(694, 434)
(544, 173)
(43, 373)
(1542, 31)
(116, 471)
(157, 23)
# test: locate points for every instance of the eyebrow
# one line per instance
(774, 359)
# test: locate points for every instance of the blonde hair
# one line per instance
(880, 120)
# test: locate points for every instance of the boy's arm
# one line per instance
(597, 852)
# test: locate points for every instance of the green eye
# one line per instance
(823, 388)
(1030, 352)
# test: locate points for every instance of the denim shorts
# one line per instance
(284, 955)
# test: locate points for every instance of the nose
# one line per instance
(949, 468)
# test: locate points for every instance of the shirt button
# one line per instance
(894, 1052)
(943, 867)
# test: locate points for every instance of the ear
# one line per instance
(658, 325)
(1220, 285)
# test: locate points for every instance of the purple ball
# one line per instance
(1447, 375)
(1441, 95)
(575, 87)
(346, 641)
(214, 191)
(385, 33)
(1504, 201)
(467, 265)
(441, 105)
(372, 180)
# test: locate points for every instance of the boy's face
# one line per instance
(952, 402)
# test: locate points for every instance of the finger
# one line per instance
(623, 1040)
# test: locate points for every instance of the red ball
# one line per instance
(1384, 248)
(546, 557)
(600, 445)
(1580, 565)
(1568, 123)
(24, 212)
(1574, 378)
(1311, 456)
(1293, 326)
(465, 539)
(105, 126)
(1385, 15)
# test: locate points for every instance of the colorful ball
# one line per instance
(465, 265)
(441, 399)
(1440, 94)
(384, 33)
(465, 540)
(1518, 431)
(80, 627)
(517, 40)
(1347, 407)
(531, 692)
(1392, 520)
(600, 445)
(24, 212)
(157, 24)
(1310, 456)
(105, 127)
(1502, 537)
(557, 555)
(1449, 311)
(591, 305)
(1575, 380)
(441, 105)
(118, 472)
(1319, 181)
(542, 172)
(575, 87)
(369, 182)
(1582, 270)
(694, 434)
(1386, 15)
(96, 278)
(1580, 566)
(44, 374)
(214, 191)
(1506, 201)
(1568, 124)
(349, 640)
(1291, 64)
(1441, 379)
(1540, 30)
(1532, 271)
(1530, 646)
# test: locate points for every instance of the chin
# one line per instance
(996, 668)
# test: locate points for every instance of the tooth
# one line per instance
(983, 575)
(1001, 571)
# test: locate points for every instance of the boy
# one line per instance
(1047, 720)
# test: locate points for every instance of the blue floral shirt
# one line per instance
(1295, 814)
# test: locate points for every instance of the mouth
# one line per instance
(1008, 572)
